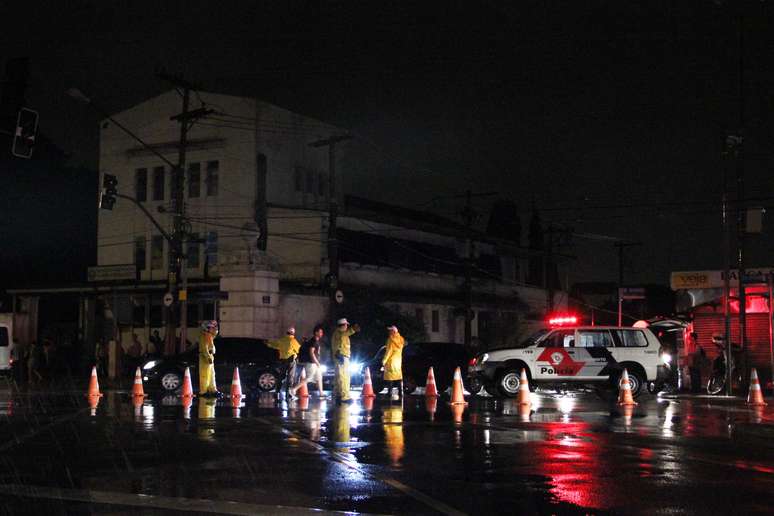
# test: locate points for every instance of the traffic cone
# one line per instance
(457, 411)
(187, 387)
(93, 384)
(137, 390)
(524, 398)
(625, 394)
(368, 388)
(303, 403)
(755, 397)
(187, 402)
(236, 386)
(93, 402)
(457, 397)
(525, 411)
(628, 412)
(431, 405)
(137, 402)
(236, 403)
(431, 389)
(303, 390)
(368, 403)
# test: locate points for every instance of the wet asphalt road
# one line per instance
(573, 453)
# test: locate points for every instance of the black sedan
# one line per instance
(418, 357)
(256, 361)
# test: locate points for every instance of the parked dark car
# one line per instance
(256, 361)
(418, 357)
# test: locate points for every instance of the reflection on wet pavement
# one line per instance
(567, 452)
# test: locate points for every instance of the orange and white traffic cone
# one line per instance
(303, 390)
(431, 405)
(137, 391)
(368, 404)
(187, 402)
(457, 411)
(368, 387)
(625, 394)
(187, 387)
(93, 402)
(431, 390)
(303, 403)
(137, 403)
(236, 386)
(755, 397)
(93, 384)
(236, 404)
(457, 398)
(525, 411)
(524, 398)
(628, 412)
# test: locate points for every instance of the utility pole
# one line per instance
(621, 246)
(468, 215)
(178, 259)
(332, 278)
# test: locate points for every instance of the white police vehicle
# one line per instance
(579, 355)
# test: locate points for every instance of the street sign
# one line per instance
(168, 298)
(112, 272)
(339, 296)
(631, 293)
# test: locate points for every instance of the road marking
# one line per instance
(156, 502)
(344, 460)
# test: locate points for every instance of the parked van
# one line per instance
(6, 343)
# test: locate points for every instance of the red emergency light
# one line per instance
(563, 320)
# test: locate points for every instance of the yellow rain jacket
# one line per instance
(393, 358)
(207, 363)
(287, 346)
(340, 342)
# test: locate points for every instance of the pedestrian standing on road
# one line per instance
(392, 363)
(135, 354)
(207, 386)
(697, 363)
(309, 360)
(154, 345)
(288, 348)
(341, 353)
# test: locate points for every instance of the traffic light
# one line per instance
(25, 133)
(107, 196)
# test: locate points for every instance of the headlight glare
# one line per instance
(150, 365)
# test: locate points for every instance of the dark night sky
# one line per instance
(610, 116)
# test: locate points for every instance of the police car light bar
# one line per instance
(563, 320)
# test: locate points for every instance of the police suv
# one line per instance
(580, 355)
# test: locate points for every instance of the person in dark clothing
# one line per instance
(309, 360)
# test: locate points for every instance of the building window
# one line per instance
(158, 184)
(157, 252)
(420, 315)
(212, 178)
(299, 180)
(139, 252)
(321, 190)
(194, 180)
(192, 251)
(436, 322)
(212, 248)
(141, 184)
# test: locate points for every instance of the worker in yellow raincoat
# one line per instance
(207, 387)
(288, 348)
(392, 363)
(341, 353)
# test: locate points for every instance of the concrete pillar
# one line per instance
(252, 307)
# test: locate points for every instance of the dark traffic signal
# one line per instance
(107, 196)
(25, 133)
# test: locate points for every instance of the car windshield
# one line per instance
(533, 339)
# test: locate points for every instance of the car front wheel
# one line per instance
(508, 383)
(171, 381)
(267, 381)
